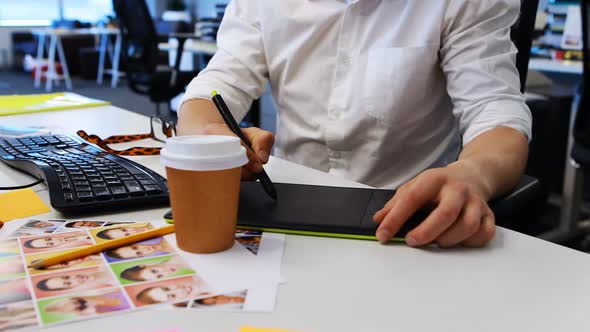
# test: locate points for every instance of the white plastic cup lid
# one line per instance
(203, 153)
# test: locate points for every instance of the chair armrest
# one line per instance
(513, 203)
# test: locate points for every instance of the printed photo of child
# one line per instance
(117, 232)
(14, 291)
(151, 269)
(249, 239)
(167, 291)
(53, 242)
(230, 301)
(87, 304)
(71, 281)
(149, 248)
(17, 315)
(37, 227)
(9, 248)
(84, 224)
(11, 268)
(87, 261)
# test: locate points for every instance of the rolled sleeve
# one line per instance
(478, 59)
(238, 69)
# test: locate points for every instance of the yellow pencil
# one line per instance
(96, 248)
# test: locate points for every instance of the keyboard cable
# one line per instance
(23, 186)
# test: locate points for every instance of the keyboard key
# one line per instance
(113, 181)
(66, 186)
(134, 188)
(78, 177)
(98, 185)
(81, 183)
(143, 177)
(85, 196)
(146, 182)
(118, 191)
(102, 193)
(82, 188)
(126, 178)
(68, 197)
(152, 189)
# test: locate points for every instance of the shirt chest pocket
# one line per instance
(396, 82)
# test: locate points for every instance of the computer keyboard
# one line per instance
(82, 177)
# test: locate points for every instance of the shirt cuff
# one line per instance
(511, 114)
(200, 88)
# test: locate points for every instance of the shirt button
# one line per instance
(345, 60)
(334, 154)
(334, 115)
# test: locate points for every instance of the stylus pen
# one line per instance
(233, 125)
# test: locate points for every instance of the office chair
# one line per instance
(513, 209)
(140, 55)
(570, 227)
(521, 34)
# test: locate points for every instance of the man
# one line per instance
(422, 96)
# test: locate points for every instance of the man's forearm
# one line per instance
(494, 161)
(195, 115)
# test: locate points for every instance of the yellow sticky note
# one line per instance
(20, 204)
(261, 329)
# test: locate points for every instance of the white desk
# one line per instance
(517, 283)
(55, 44)
(192, 47)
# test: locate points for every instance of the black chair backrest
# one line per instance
(522, 37)
(140, 44)
(581, 150)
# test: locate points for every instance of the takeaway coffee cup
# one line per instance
(204, 183)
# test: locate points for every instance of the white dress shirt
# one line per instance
(371, 90)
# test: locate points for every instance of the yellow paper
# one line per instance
(261, 329)
(20, 104)
(20, 204)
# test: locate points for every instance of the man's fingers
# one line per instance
(468, 223)
(262, 142)
(441, 218)
(379, 215)
(485, 234)
(248, 175)
(254, 165)
(408, 201)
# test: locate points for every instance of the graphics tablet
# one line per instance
(316, 210)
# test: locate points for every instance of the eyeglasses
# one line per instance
(160, 130)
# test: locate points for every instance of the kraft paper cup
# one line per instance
(204, 182)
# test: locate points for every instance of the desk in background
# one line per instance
(55, 46)
(517, 283)
(557, 66)
(192, 47)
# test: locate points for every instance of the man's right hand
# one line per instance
(262, 142)
(200, 117)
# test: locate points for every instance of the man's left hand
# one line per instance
(461, 215)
